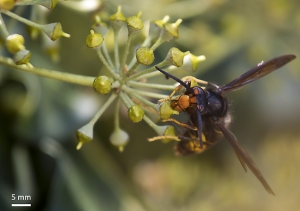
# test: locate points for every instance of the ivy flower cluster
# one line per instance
(128, 72)
(126, 83)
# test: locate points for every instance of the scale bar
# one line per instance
(21, 205)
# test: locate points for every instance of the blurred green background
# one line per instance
(37, 149)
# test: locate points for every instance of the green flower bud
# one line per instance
(135, 113)
(194, 83)
(156, 26)
(172, 28)
(160, 23)
(170, 131)
(154, 31)
(195, 60)
(175, 56)
(102, 84)
(166, 111)
(99, 27)
(22, 57)
(145, 56)
(83, 136)
(94, 40)
(54, 31)
(117, 20)
(7, 4)
(14, 43)
(134, 23)
(168, 32)
(118, 16)
(119, 138)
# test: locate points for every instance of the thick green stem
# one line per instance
(21, 19)
(67, 77)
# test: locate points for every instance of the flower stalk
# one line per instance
(62, 76)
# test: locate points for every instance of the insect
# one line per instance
(209, 114)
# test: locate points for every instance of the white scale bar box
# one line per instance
(21, 205)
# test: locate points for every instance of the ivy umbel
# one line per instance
(129, 71)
